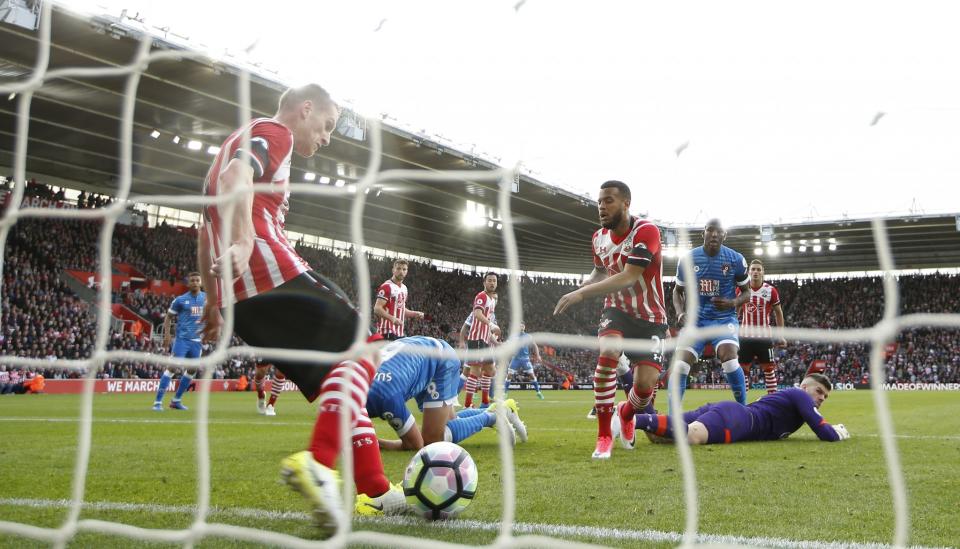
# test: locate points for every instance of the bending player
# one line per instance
(627, 270)
(281, 302)
(718, 270)
(521, 363)
(773, 417)
(264, 407)
(482, 327)
(758, 337)
(434, 382)
(188, 310)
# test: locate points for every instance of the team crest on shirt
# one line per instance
(604, 323)
(627, 248)
(725, 269)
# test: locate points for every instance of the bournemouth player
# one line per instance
(718, 270)
(521, 364)
(279, 301)
(265, 407)
(627, 270)
(481, 329)
(775, 416)
(188, 310)
(756, 328)
(407, 372)
(391, 304)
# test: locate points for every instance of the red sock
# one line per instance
(346, 385)
(276, 385)
(485, 389)
(258, 384)
(368, 473)
(469, 389)
(604, 391)
(636, 403)
(770, 378)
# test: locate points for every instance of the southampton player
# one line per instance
(265, 407)
(481, 329)
(627, 270)
(521, 364)
(391, 304)
(433, 382)
(280, 302)
(718, 270)
(756, 329)
(775, 416)
(188, 310)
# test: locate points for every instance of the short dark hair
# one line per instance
(491, 273)
(758, 262)
(619, 185)
(193, 274)
(400, 262)
(714, 222)
(822, 380)
(312, 92)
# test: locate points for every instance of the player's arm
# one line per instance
(598, 274)
(608, 285)
(238, 178)
(407, 313)
(411, 440)
(478, 316)
(167, 326)
(811, 416)
(680, 303)
(380, 311)
(536, 352)
(211, 313)
(463, 335)
(778, 325)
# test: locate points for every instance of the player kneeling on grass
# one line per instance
(773, 417)
(407, 372)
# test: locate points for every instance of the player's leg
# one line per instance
(194, 349)
(745, 355)
(647, 366)
(685, 359)
(162, 389)
(661, 425)
(604, 392)
(507, 379)
(625, 375)
(375, 494)
(472, 385)
(726, 422)
(769, 370)
(487, 372)
(727, 355)
(276, 385)
(532, 379)
(309, 313)
(259, 376)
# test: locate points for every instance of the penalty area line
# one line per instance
(520, 528)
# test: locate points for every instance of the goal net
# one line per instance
(510, 534)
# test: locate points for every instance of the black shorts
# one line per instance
(390, 336)
(308, 312)
(762, 349)
(478, 344)
(615, 321)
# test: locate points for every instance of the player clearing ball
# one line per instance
(775, 416)
(627, 270)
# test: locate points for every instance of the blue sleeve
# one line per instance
(740, 273)
(811, 416)
(680, 281)
(175, 305)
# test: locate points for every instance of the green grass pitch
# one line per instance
(797, 489)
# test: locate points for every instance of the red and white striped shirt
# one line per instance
(755, 314)
(478, 330)
(641, 246)
(274, 260)
(396, 297)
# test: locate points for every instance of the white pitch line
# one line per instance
(310, 424)
(520, 528)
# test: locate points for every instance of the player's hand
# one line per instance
(723, 303)
(841, 431)
(567, 301)
(681, 320)
(212, 321)
(420, 315)
(240, 259)
(495, 330)
(782, 343)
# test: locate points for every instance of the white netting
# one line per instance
(884, 331)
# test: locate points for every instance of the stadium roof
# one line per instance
(74, 141)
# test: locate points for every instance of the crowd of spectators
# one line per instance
(42, 318)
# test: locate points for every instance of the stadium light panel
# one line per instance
(499, 226)
(340, 183)
(176, 140)
(194, 145)
(212, 150)
(803, 248)
(758, 251)
(772, 251)
(490, 223)
(817, 248)
(309, 176)
(788, 249)
(324, 179)
(155, 134)
(787, 243)
(832, 247)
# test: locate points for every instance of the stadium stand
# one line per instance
(42, 317)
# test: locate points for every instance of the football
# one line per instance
(440, 481)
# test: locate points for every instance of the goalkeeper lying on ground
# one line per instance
(773, 417)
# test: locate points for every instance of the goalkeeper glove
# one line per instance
(841, 431)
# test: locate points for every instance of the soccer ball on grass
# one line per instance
(440, 481)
